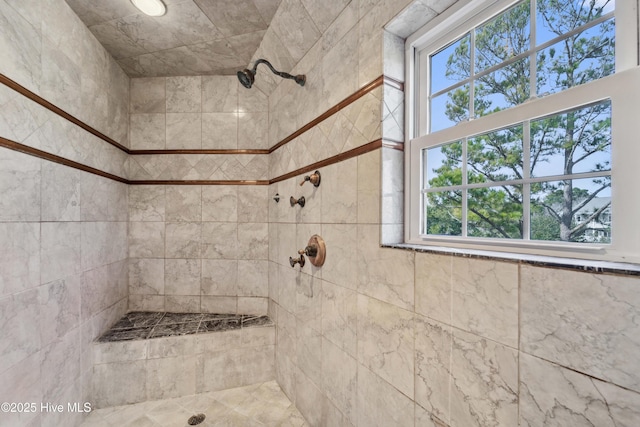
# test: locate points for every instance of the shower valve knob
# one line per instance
(314, 178)
(293, 201)
(299, 260)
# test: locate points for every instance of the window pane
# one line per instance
(443, 213)
(504, 37)
(555, 18)
(581, 58)
(443, 165)
(496, 156)
(574, 142)
(450, 65)
(449, 108)
(504, 88)
(576, 210)
(495, 212)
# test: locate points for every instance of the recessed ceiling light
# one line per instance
(150, 7)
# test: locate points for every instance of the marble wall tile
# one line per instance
(308, 309)
(369, 188)
(19, 257)
(564, 319)
(254, 100)
(309, 399)
(295, 28)
(146, 239)
(253, 203)
(183, 239)
(385, 274)
(184, 203)
(121, 351)
(324, 16)
(341, 261)
(21, 40)
(339, 376)
(60, 363)
(184, 131)
(219, 94)
(219, 277)
(59, 308)
(182, 276)
(380, 404)
(411, 19)
(184, 94)
(233, 18)
(392, 187)
(338, 65)
(553, 395)
(171, 377)
(385, 342)
(235, 368)
(253, 131)
(119, 383)
(252, 278)
(484, 383)
(253, 241)
(393, 56)
(20, 321)
(103, 243)
(22, 384)
(173, 347)
(308, 354)
(183, 303)
(147, 95)
(340, 191)
(147, 203)
(485, 298)
(19, 186)
(146, 302)
(258, 306)
(433, 286)
(102, 199)
(147, 131)
(220, 203)
(60, 192)
(146, 276)
(219, 131)
(215, 304)
(339, 317)
(433, 366)
(219, 240)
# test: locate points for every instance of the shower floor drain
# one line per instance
(196, 419)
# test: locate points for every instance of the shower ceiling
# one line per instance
(194, 37)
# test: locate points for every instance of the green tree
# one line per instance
(575, 138)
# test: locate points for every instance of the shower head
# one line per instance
(247, 77)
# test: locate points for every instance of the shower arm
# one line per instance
(300, 79)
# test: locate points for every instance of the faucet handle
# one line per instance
(299, 260)
(314, 178)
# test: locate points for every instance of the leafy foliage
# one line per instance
(579, 140)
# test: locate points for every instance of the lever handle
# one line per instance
(299, 260)
(314, 178)
(293, 201)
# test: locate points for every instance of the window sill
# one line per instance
(583, 265)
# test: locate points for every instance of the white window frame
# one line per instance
(622, 88)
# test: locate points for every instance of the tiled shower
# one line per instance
(125, 195)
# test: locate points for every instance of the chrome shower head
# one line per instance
(247, 77)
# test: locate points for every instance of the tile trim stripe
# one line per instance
(333, 110)
(363, 149)
(59, 111)
(339, 106)
(25, 149)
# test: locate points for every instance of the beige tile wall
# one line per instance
(63, 232)
(198, 248)
(382, 337)
(208, 112)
